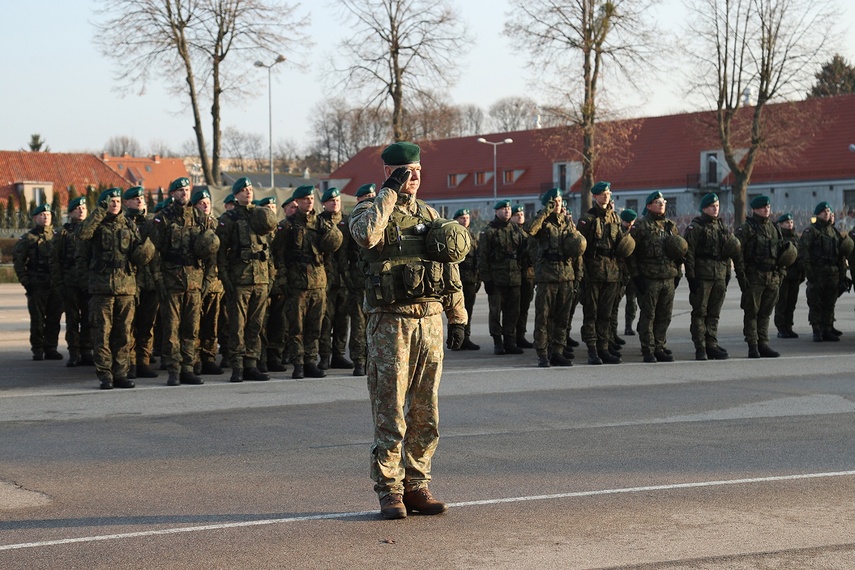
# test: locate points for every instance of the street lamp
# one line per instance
(279, 59)
(494, 144)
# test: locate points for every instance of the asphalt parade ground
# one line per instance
(730, 464)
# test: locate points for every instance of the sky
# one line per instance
(57, 84)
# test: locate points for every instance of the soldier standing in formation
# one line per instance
(554, 245)
(627, 220)
(277, 316)
(111, 251)
(211, 294)
(526, 278)
(223, 320)
(470, 279)
(73, 286)
(825, 267)
(794, 275)
(499, 249)
(354, 279)
(333, 339)
(405, 349)
(31, 257)
(242, 263)
(711, 246)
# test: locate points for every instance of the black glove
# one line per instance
(456, 333)
(489, 288)
(398, 179)
(640, 284)
(844, 286)
(676, 281)
(693, 284)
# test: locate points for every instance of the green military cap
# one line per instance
(785, 218)
(74, 204)
(708, 200)
(820, 207)
(105, 196)
(43, 208)
(365, 189)
(287, 201)
(330, 194)
(157, 207)
(133, 192)
(162, 204)
(628, 215)
(502, 204)
(653, 196)
(760, 202)
(401, 153)
(200, 195)
(303, 191)
(601, 187)
(517, 209)
(229, 199)
(265, 201)
(461, 212)
(179, 183)
(240, 184)
(550, 194)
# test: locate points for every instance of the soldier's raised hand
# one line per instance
(398, 179)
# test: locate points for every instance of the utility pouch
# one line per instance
(414, 274)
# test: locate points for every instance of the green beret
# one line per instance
(179, 183)
(330, 194)
(265, 201)
(708, 200)
(628, 215)
(517, 209)
(287, 201)
(550, 194)
(401, 153)
(365, 189)
(240, 184)
(105, 196)
(229, 199)
(820, 207)
(74, 204)
(162, 204)
(759, 202)
(200, 195)
(653, 196)
(133, 192)
(461, 212)
(785, 218)
(43, 208)
(502, 204)
(157, 207)
(600, 187)
(303, 191)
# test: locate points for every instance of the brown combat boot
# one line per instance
(422, 502)
(392, 507)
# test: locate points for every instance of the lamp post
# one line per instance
(279, 59)
(494, 145)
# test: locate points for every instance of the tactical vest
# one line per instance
(181, 231)
(824, 246)
(249, 245)
(397, 270)
(112, 248)
(710, 262)
(763, 251)
(67, 248)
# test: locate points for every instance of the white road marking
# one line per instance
(626, 490)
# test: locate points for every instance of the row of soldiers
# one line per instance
(607, 257)
(257, 289)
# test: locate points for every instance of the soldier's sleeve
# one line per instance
(633, 260)
(56, 273)
(483, 259)
(537, 222)
(455, 310)
(20, 255)
(223, 232)
(804, 250)
(739, 258)
(87, 227)
(691, 238)
(369, 219)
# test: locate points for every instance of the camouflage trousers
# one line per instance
(110, 319)
(821, 299)
(656, 303)
(78, 336)
(785, 307)
(504, 310)
(551, 316)
(246, 312)
(470, 292)
(305, 312)
(404, 369)
(148, 306)
(631, 307)
(621, 292)
(706, 303)
(598, 299)
(223, 327)
(180, 312)
(45, 307)
(758, 302)
(208, 325)
(333, 338)
(277, 328)
(526, 297)
(355, 301)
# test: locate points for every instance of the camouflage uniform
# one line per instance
(527, 281)
(32, 262)
(500, 247)
(209, 325)
(825, 268)
(623, 284)
(405, 349)
(471, 284)
(74, 287)
(354, 280)
(111, 250)
(277, 315)
(148, 305)
(788, 293)
(333, 337)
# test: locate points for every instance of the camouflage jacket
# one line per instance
(64, 259)
(706, 237)
(335, 263)
(553, 262)
(649, 259)
(175, 230)
(244, 255)
(145, 279)
(500, 248)
(32, 256)
(602, 230)
(108, 251)
(761, 242)
(796, 271)
(299, 247)
(820, 252)
(469, 265)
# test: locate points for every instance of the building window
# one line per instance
(712, 169)
(632, 205)
(508, 177)
(453, 180)
(671, 207)
(480, 178)
(849, 201)
(148, 168)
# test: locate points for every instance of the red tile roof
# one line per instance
(151, 172)
(658, 153)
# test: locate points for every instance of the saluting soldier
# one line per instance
(223, 320)
(73, 286)
(212, 295)
(469, 277)
(277, 316)
(526, 278)
(627, 219)
(111, 250)
(333, 338)
(500, 247)
(32, 261)
(794, 276)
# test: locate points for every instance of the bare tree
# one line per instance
(747, 54)
(564, 38)
(160, 147)
(513, 114)
(400, 48)
(471, 120)
(187, 43)
(120, 145)
(433, 117)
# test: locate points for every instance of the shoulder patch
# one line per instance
(690, 227)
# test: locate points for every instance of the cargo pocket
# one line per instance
(414, 279)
